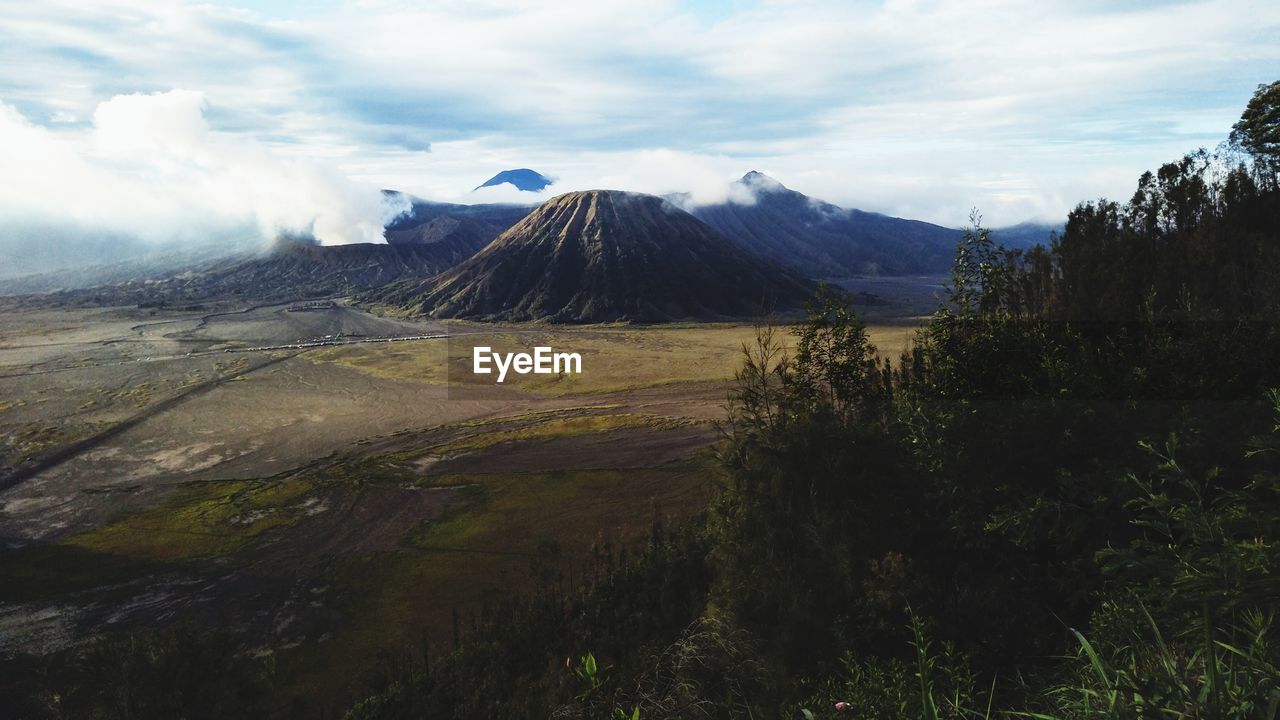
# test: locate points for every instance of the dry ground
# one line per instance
(329, 502)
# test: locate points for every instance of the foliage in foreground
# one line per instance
(182, 672)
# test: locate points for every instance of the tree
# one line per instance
(835, 361)
(1258, 131)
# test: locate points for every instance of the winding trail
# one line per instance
(201, 321)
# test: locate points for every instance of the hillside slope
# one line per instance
(291, 270)
(823, 240)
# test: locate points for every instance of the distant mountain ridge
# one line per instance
(825, 240)
(472, 226)
(821, 239)
(467, 231)
(162, 263)
(604, 256)
(519, 178)
(420, 211)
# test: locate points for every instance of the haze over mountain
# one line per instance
(601, 256)
(291, 270)
(427, 221)
(1025, 234)
(420, 211)
(110, 268)
(426, 239)
(520, 178)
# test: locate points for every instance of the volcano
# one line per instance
(604, 256)
(520, 178)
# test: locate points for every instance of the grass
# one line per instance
(203, 521)
(614, 358)
(546, 426)
(200, 523)
(422, 362)
(139, 395)
(490, 548)
(1226, 672)
(217, 519)
(31, 439)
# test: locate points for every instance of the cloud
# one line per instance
(911, 107)
(924, 109)
(450, 167)
(149, 167)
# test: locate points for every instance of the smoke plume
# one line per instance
(149, 171)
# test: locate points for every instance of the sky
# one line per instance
(165, 121)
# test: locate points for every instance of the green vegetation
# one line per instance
(29, 440)
(205, 521)
(514, 534)
(552, 424)
(424, 363)
(186, 672)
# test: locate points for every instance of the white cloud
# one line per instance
(150, 168)
(912, 107)
(924, 109)
(450, 171)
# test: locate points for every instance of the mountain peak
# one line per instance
(519, 178)
(757, 180)
(576, 195)
(592, 197)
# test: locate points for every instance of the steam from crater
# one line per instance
(149, 170)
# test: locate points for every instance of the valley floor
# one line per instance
(331, 501)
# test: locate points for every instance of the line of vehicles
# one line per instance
(328, 340)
